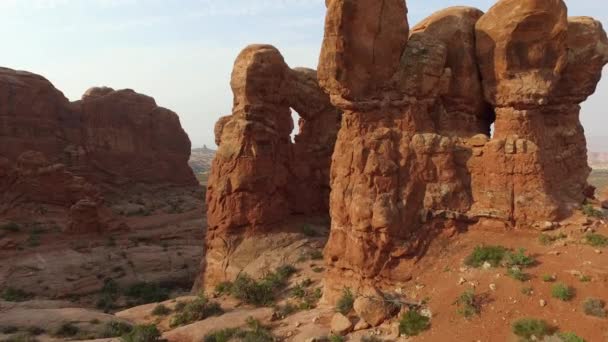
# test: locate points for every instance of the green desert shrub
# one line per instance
(530, 328)
(161, 310)
(590, 211)
(597, 240)
(413, 323)
(482, 254)
(66, 330)
(346, 301)
(595, 307)
(9, 329)
(254, 332)
(11, 294)
(144, 293)
(264, 291)
(115, 329)
(570, 337)
(562, 292)
(10, 227)
(196, 310)
(546, 239)
(517, 274)
(335, 338)
(519, 259)
(35, 331)
(142, 333)
(469, 304)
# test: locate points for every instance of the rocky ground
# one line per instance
(285, 303)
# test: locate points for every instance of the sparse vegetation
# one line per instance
(595, 307)
(11, 227)
(597, 240)
(309, 231)
(346, 301)
(66, 330)
(223, 288)
(318, 269)
(482, 254)
(282, 311)
(562, 292)
(115, 329)
(142, 333)
(108, 295)
(161, 310)
(570, 337)
(262, 292)
(35, 331)
(497, 256)
(531, 329)
(413, 323)
(517, 274)
(194, 311)
(548, 278)
(255, 332)
(316, 255)
(10, 294)
(335, 338)
(519, 259)
(546, 239)
(144, 293)
(469, 304)
(590, 211)
(9, 329)
(584, 278)
(21, 337)
(370, 339)
(33, 240)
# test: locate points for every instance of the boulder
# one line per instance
(340, 324)
(372, 309)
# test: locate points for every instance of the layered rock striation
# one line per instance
(415, 156)
(259, 176)
(71, 154)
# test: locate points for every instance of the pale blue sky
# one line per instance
(181, 51)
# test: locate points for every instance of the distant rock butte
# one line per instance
(413, 157)
(71, 154)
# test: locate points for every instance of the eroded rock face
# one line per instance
(63, 154)
(259, 177)
(127, 137)
(414, 158)
(362, 46)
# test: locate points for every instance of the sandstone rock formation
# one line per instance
(70, 155)
(414, 156)
(259, 177)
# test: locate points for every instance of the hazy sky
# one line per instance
(181, 51)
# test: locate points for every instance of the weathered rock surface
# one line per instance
(259, 177)
(362, 46)
(340, 324)
(197, 331)
(413, 158)
(372, 308)
(70, 155)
